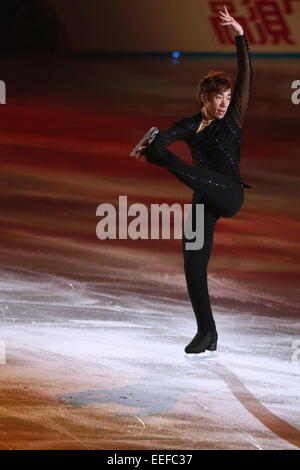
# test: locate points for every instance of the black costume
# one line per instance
(214, 177)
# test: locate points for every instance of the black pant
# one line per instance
(217, 202)
(195, 267)
(221, 197)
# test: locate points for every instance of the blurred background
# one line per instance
(84, 81)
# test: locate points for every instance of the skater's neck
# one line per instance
(206, 116)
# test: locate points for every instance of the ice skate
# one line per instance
(148, 137)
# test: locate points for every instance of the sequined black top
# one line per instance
(217, 146)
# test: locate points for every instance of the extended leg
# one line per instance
(223, 196)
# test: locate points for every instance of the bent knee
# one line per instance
(234, 208)
(228, 214)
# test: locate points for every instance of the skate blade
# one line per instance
(148, 137)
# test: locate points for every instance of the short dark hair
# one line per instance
(214, 81)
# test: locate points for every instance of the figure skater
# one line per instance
(214, 138)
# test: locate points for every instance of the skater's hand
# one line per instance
(139, 156)
(228, 20)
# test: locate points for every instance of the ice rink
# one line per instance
(93, 331)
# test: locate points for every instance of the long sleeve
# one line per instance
(156, 151)
(243, 84)
(178, 131)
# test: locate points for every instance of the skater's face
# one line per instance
(216, 104)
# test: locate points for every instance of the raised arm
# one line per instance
(243, 84)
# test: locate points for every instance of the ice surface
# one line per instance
(245, 395)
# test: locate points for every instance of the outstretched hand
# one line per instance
(139, 156)
(228, 20)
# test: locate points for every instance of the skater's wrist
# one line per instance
(156, 152)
